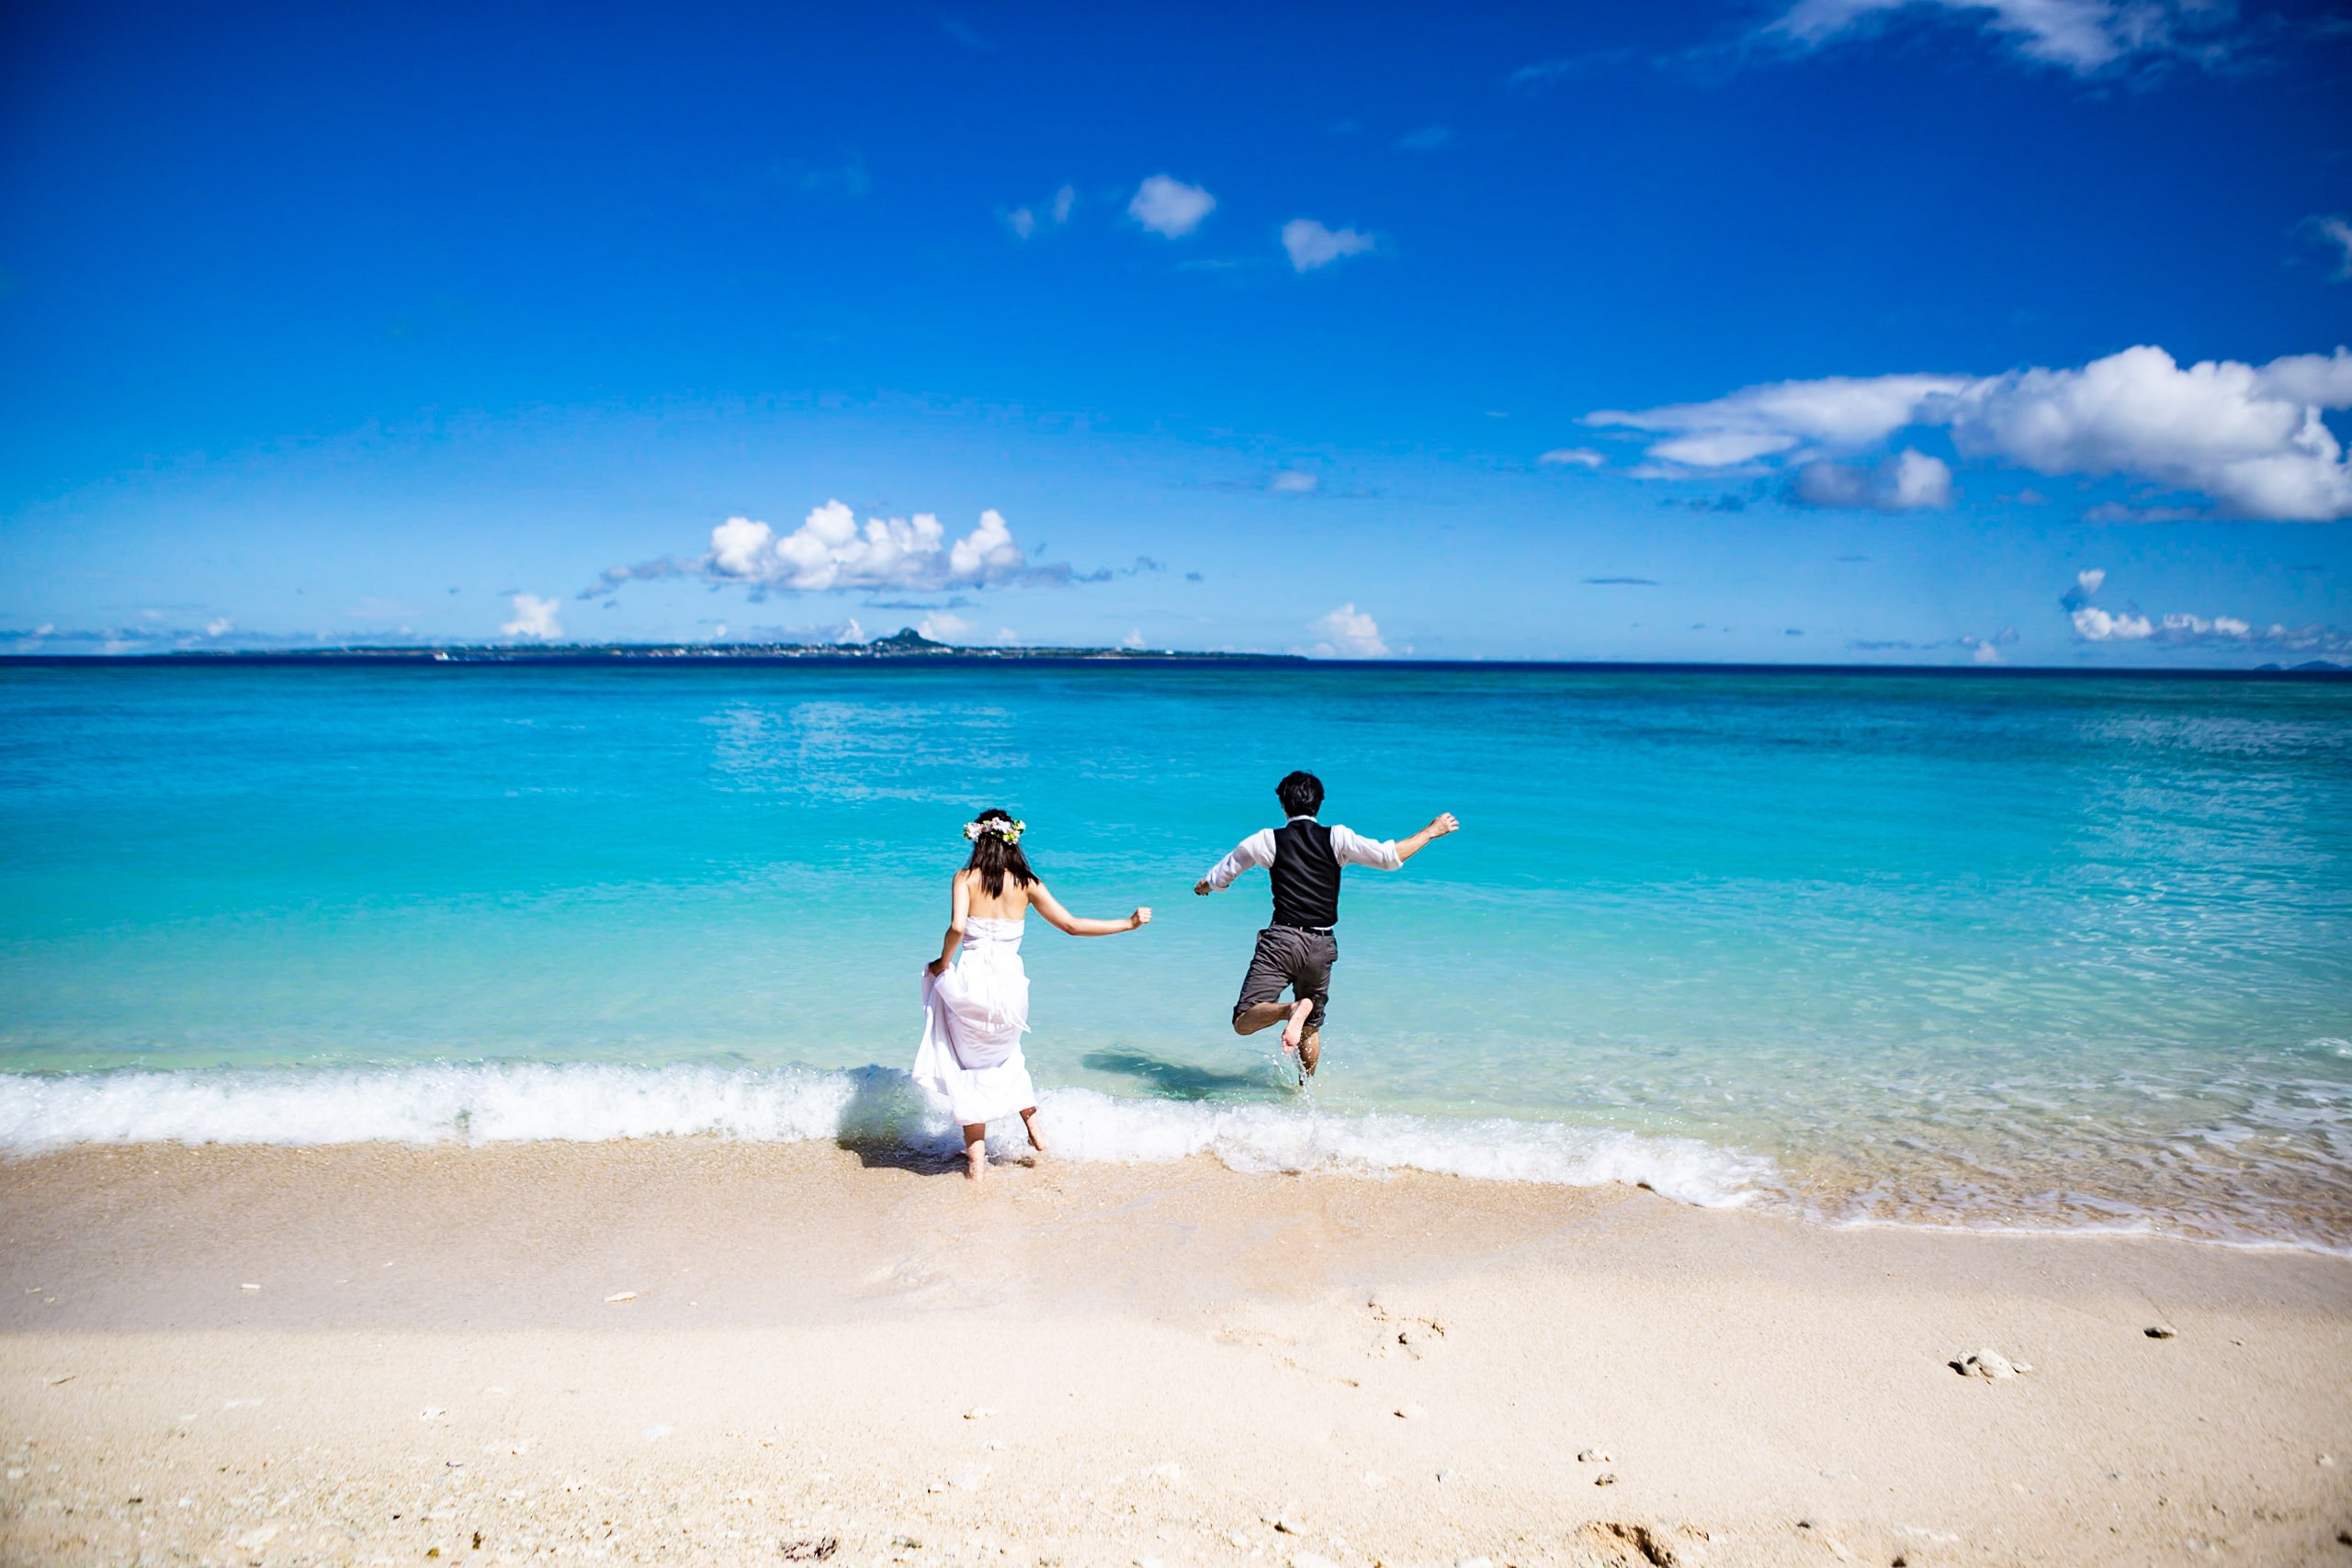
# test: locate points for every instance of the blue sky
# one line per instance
(1916, 333)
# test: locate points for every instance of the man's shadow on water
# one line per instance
(1182, 1080)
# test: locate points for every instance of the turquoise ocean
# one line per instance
(2003, 951)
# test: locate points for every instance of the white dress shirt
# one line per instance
(1348, 847)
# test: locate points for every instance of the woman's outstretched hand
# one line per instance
(1140, 918)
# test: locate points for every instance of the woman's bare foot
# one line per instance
(976, 1153)
(1029, 1121)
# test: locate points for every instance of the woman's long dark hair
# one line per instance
(994, 856)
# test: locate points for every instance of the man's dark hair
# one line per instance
(1301, 794)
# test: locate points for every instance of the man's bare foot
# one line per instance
(1310, 1050)
(1259, 1015)
(1029, 1120)
(1296, 1030)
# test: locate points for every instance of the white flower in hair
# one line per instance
(1010, 830)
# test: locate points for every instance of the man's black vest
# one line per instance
(1305, 876)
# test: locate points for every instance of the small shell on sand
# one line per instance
(979, 1412)
(619, 1296)
(1606, 1478)
(2161, 1331)
(1409, 1411)
(1592, 1456)
(1990, 1365)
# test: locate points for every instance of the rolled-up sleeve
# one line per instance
(1258, 849)
(1352, 848)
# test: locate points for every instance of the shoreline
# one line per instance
(1172, 1355)
(879, 1111)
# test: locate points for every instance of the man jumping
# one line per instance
(1303, 859)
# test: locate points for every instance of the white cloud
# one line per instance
(1578, 457)
(1311, 245)
(2251, 437)
(1293, 481)
(2186, 629)
(2080, 36)
(2095, 624)
(1133, 639)
(1836, 413)
(828, 550)
(1169, 207)
(1908, 481)
(2337, 231)
(852, 632)
(1348, 633)
(224, 625)
(943, 625)
(1024, 221)
(534, 617)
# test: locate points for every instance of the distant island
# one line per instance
(905, 643)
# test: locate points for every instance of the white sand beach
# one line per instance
(700, 1351)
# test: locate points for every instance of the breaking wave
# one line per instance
(870, 1106)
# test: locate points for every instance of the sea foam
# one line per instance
(870, 1106)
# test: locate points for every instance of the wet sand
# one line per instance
(1094, 1364)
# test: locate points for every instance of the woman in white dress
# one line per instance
(975, 1013)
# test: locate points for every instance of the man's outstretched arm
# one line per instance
(1258, 849)
(1440, 826)
(1382, 854)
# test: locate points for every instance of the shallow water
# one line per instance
(1981, 950)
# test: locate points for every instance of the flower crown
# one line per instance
(1010, 832)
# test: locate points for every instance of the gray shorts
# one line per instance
(1290, 955)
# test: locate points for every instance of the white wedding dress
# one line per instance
(973, 1018)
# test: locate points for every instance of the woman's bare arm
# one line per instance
(959, 905)
(1060, 919)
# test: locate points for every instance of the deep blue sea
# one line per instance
(1985, 950)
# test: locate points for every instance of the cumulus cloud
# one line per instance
(535, 618)
(1025, 221)
(1347, 633)
(2087, 582)
(1572, 457)
(1311, 245)
(830, 551)
(2188, 630)
(2081, 36)
(943, 625)
(2095, 624)
(2337, 232)
(1908, 481)
(1169, 207)
(2250, 437)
